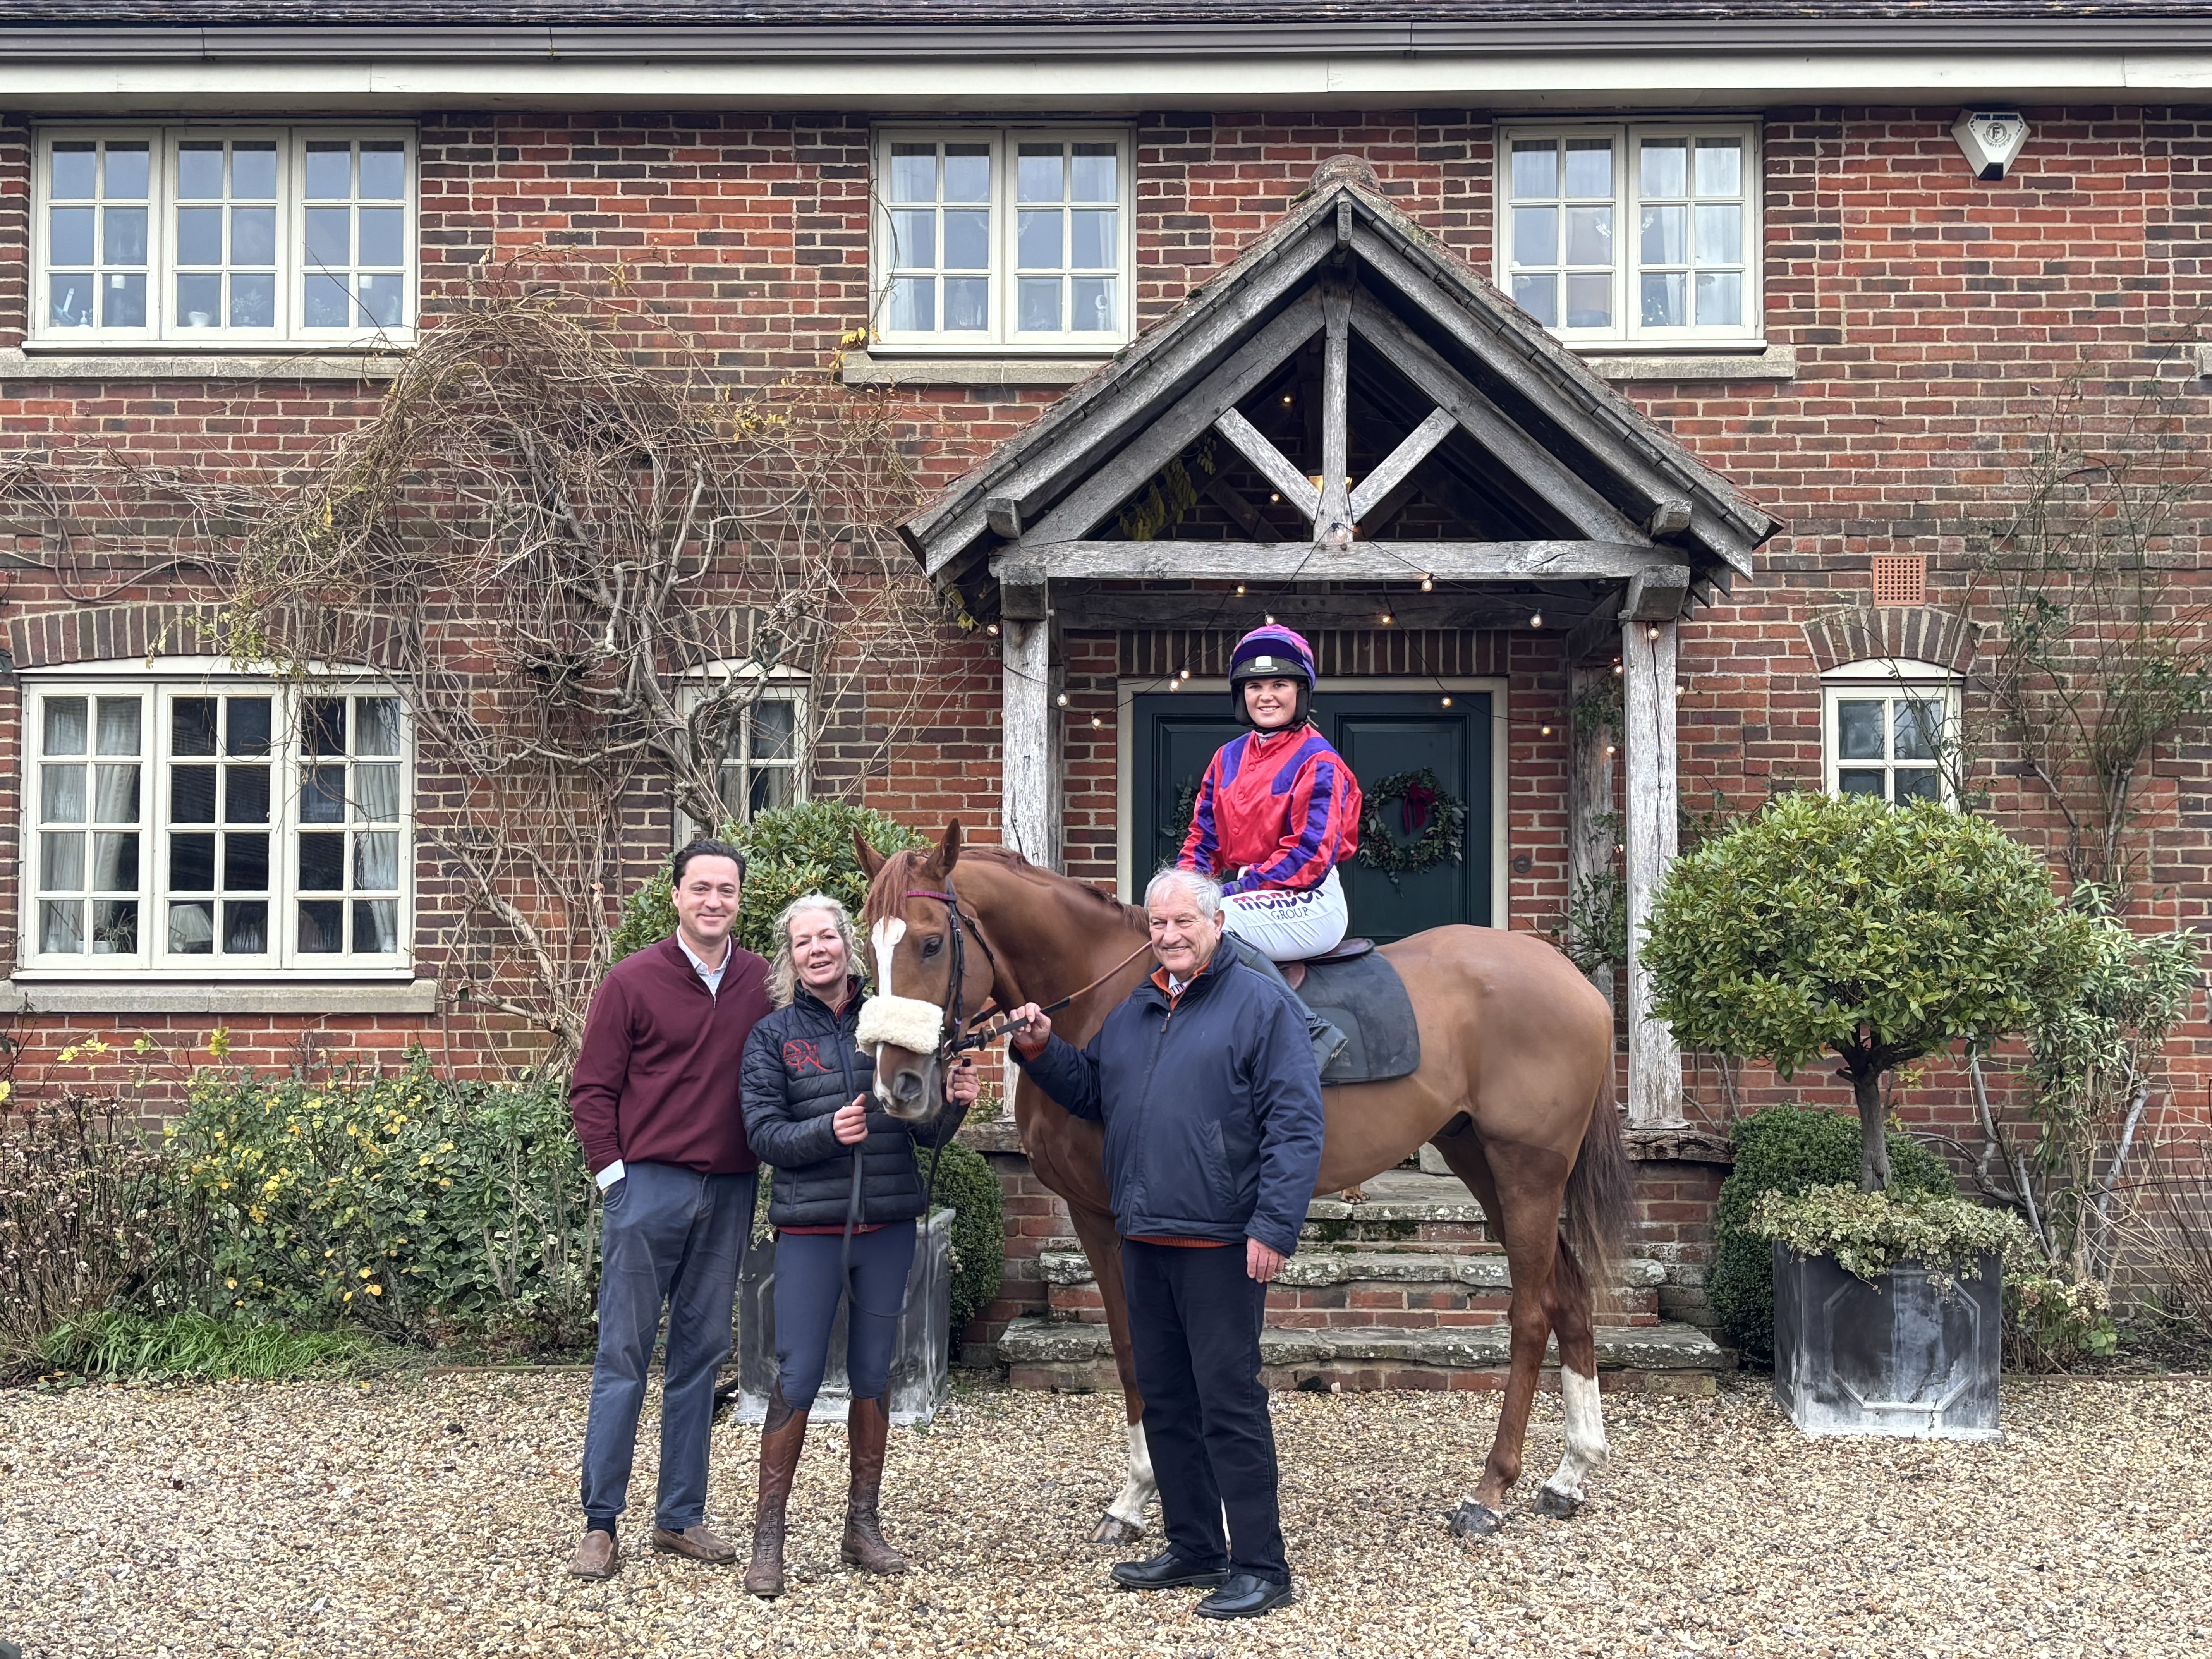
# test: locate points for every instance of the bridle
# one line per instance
(958, 1039)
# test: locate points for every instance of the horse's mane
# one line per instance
(916, 866)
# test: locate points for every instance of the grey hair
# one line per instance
(783, 971)
(1203, 888)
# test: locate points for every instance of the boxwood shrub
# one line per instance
(1790, 1149)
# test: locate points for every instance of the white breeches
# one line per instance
(1287, 926)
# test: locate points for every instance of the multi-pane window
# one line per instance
(200, 236)
(1639, 232)
(206, 826)
(1889, 734)
(763, 763)
(1003, 237)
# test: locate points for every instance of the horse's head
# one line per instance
(932, 971)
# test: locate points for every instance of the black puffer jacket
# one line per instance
(801, 1064)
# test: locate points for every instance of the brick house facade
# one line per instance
(1903, 328)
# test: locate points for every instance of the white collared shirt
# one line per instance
(712, 975)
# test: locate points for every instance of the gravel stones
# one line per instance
(436, 1516)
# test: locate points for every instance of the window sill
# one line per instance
(861, 368)
(218, 997)
(1773, 363)
(290, 363)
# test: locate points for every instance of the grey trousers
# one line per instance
(672, 1237)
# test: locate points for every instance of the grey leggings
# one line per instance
(807, 1297)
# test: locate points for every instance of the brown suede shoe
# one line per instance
(695, 1542)
(595, 1557)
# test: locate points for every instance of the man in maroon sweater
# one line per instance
(654, 1097)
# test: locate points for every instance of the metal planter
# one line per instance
(1894, 1357)
(921, 1378)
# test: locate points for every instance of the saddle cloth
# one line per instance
(1360, 993)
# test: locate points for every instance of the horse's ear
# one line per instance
(948, 850)
(871, 860)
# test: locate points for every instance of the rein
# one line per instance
(959, 1039)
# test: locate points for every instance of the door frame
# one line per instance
(1129, 688)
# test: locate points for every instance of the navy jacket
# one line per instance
(1212, 1111)
(800, 1065)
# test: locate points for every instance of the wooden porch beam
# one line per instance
(1411, 452)
(1230, 500)
(1590, 823)
(1160, 442)
(1089, 608)
(1029, 788)
(1332, 519)
(1647, 656)
(1035, 560)
(1543, 471)
(1272, 465)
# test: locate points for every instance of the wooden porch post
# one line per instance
(1590, 801)
(1647, 658)
(1029, 795)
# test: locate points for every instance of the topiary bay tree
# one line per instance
(1837, 924)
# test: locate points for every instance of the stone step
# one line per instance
(1666, 1357)
(1314, 1269)
(1399, 1206)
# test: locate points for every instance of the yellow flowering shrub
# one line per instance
(401, 1199)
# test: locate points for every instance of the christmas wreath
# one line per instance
(1432, 815)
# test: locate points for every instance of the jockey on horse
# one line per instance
(1277, 810)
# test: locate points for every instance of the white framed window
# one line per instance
(992, 237)
(218, 826)
(763, 763)
(1636, 233)
(1890, 730)
(223, 236)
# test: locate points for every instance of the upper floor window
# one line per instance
(997, 237)
(1891, 729)
(1643, 232)
(219, 825)
(270, 235)
(763, 764)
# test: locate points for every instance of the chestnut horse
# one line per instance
(1515, 1088)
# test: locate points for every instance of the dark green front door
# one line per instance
(1379, 734)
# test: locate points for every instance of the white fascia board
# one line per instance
(1645, 80)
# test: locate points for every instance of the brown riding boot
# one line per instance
(782, 1436)
(868, 1425)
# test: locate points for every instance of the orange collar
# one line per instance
(1173, 996)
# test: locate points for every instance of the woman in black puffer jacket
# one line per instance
(804, 1084)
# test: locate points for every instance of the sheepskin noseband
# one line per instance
(905, 1023)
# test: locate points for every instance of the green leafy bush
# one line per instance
(1790, 1150)
(400, 1199)
(1838, 924)
(966, 1185)
(1869, 1234)
(790, 851)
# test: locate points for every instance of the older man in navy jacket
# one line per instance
(1205, 1082)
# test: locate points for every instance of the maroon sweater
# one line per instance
(656, 1079)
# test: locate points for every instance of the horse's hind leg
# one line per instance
(1570, 1307)
(1520, 1190)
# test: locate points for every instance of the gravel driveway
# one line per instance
(433, 1518)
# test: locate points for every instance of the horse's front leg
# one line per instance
(1124, 1519)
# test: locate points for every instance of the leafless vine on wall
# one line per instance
(581, 552)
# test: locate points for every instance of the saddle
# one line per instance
(1360, 992)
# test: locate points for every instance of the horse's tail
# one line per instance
(1599, 1193)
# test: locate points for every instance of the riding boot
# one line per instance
(1327, 1041)
(868, 1424)
(782, 1436)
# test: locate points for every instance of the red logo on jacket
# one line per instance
(800, 1056)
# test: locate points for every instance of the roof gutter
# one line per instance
(1691, 63)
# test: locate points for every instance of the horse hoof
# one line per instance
(1557, 1505)
(1113, 1530)
(1473, 1520)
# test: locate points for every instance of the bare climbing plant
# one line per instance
(582, 554)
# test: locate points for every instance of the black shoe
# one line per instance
(1166, 1570)
(1245, 1595)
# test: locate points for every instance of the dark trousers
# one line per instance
(807, 1297)
(1194, 1319)
(673, 1237)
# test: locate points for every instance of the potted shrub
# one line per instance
(1888, 1311)
(1840, 925)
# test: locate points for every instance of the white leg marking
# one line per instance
(1586, 1447)
(1141, 1488)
